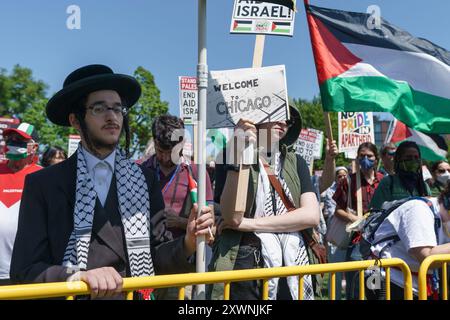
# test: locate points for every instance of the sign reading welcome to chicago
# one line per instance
(257, 94)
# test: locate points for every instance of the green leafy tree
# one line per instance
(23, 97)
(142, 114)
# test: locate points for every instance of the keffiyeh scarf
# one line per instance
(280, 249)
(134, 207)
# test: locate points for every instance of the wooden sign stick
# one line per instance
(244, 172)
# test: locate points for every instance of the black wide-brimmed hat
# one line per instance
(85, 80)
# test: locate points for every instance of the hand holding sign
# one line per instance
(244, 139)
(331, 149)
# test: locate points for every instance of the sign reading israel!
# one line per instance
(260, 17)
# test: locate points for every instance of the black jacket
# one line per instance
(46, 222)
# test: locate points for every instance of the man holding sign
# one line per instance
(280, 212)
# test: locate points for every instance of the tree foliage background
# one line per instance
(24, 97)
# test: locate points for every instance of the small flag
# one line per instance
(242, 25)
(432, 146)
(193, 189)
(281, 27)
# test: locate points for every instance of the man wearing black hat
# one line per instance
(94, 216)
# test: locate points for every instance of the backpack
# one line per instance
(377, 217)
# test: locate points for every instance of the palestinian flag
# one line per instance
(287, 3)
(432, 146)
(385, 69)
(242, 25)
(281, 27)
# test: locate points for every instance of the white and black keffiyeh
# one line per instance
(134, 207)
(280, 249)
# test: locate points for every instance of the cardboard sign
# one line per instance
(259, 17)
(355, 128)
(188, 100)
(74, 140)
(310, 145)
(259, 94)
(4, 124)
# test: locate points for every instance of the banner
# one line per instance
(259, 94)
(257, 17)
(188, 99)
(4, 124)
(74, 140)
(355, 128)
(310, 145)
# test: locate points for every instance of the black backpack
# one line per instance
(377, 217)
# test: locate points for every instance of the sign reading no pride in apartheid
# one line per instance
(257, 94)
(262, 18)
(188, 99)
(309, 145)
(355, 128)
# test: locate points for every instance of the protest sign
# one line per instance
(259, 94)
(188, 99)
(259, 17)
(4, 124)
(355, 128)
(74, 140)
(309, 145)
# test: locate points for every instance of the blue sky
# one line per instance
(161, 35)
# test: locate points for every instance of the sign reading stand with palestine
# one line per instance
(188, 100)
(258, 94)
(262, 18)
(355, 128)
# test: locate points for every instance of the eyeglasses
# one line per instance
(442, 171)
(100, 109)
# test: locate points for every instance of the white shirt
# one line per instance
(413, 222)
(101, 172)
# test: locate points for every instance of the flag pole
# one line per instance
(326, 115)
(202, 78)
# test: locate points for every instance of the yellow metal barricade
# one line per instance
(71, 289)
(432, 261)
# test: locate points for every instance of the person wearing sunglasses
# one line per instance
(441, 176)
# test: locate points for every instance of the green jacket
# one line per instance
(390, 189)
(226, 246)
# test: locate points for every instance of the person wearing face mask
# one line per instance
(408, 178)
(346, 205)
(414, 231)
(21, 152)
(441, 175)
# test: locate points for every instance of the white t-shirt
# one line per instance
(414, 223)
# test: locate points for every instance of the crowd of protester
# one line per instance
(286, 217)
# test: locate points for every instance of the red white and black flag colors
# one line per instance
(384, 69)
(432, 146)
